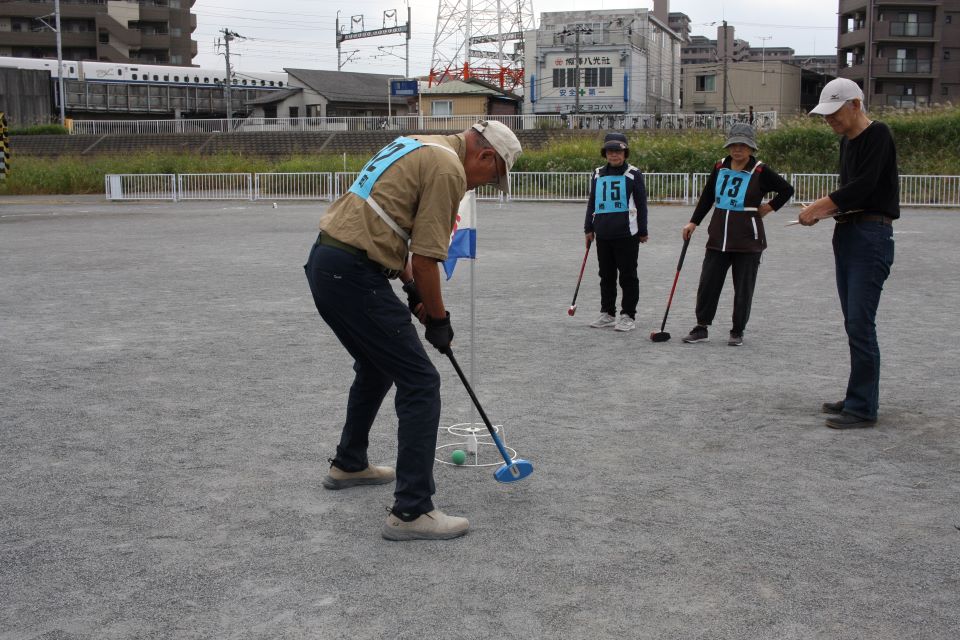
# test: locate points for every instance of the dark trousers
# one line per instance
(863, 253)
(712, 275)
(375, 327)
(614, 256)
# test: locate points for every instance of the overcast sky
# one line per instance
(300, 33)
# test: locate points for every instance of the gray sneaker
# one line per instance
(435, 525)
(835, 408)
(337, 478)
(625, 323)
(605, 320)
(736, 339)
(697, 334)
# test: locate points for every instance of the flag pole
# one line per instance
(473, 309)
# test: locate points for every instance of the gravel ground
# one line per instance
(170, 397)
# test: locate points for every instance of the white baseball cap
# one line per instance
(504, 142)
(835, 94)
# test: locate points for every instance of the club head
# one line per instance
(660, 336)
(516, 470)
(572, 310)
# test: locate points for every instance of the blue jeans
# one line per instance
(358, 303)
(863, 253)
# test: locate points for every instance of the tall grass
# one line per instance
(928, 142)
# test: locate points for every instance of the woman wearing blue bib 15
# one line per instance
(617, 220)
(735, 237)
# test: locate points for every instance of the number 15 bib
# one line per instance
(611, 195)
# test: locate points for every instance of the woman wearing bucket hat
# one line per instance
(735, 237)
(864, 206)
(617, 220)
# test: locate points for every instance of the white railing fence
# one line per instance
(929, 190)
(141, 186)
(811, 186)
(527, 186)
(215, 186)
(763, 120)
(293, 186)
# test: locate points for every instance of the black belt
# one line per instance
(863, 217)
(329, 241)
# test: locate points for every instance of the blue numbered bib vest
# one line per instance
(731, 189)
(611, 195)
(379, 163)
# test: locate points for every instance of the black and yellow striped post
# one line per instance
(4, 147)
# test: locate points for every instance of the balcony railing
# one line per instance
(912, 29)
(905, 65)
(907, 102)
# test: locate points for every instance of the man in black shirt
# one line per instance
(865, 206)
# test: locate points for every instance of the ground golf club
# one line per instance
(663, 336)
(513, 470)
(573, 305)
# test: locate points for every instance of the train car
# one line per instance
(147, 74)
(71, 69)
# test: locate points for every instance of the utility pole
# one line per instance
(763, 58)
(228, 37)
(576, 31)
(63, 98)
(726, 54)
(56, 29)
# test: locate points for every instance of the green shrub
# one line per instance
(928, 142)
(39, 130)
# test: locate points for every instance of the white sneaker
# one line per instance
(605, 320)
(435, 525)
(625, 323)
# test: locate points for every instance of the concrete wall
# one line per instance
(771, 86)
(26, 97)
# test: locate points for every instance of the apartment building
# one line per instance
(145, 31)
(904, 54)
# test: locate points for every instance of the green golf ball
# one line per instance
(458, 456)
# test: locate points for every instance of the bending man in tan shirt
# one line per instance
(403, 204)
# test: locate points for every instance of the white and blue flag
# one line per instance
(463, 241)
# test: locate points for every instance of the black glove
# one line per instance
(413, 296)
(439, 333)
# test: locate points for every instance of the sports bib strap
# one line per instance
(379, 163)
(611, 195)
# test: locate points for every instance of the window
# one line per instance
(176, 78)
(946, 54)
(706, 82)
(134, 76)
(944, 90)
(206, 80)
(598, 77)
(280, 84)
(271, 83)
(564, 77)
(294, 112)
(441, 108)
(104, 37)
(166, 78)
(949, 18)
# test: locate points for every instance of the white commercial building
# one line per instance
(602, 62)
